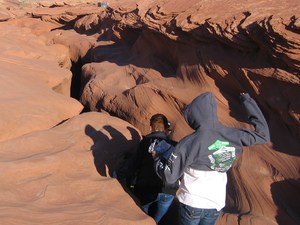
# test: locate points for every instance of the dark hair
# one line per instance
(159, 122)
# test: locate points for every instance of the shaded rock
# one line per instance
(52, 174)
(140, 58)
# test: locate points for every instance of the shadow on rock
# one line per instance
(111, 149)
(286, 197)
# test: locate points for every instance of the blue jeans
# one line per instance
(195, 216)
(159, 207)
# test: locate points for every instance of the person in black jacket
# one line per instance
(155, 195)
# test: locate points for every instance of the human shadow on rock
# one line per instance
(111, 153)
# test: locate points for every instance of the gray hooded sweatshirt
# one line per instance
(202, 158)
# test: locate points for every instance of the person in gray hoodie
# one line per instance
(201, 159)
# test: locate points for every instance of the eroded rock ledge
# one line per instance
(139, 58)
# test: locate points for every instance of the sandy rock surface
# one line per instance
(79, 83)
(49, 176)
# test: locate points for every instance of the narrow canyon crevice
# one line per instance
(76, 79)
(128, 62)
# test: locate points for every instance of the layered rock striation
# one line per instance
(131, 60)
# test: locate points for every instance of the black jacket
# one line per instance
(147, 183)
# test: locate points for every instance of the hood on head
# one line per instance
(202, 111)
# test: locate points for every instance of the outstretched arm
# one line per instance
(261, 135)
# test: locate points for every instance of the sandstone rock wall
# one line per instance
(139, 58)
